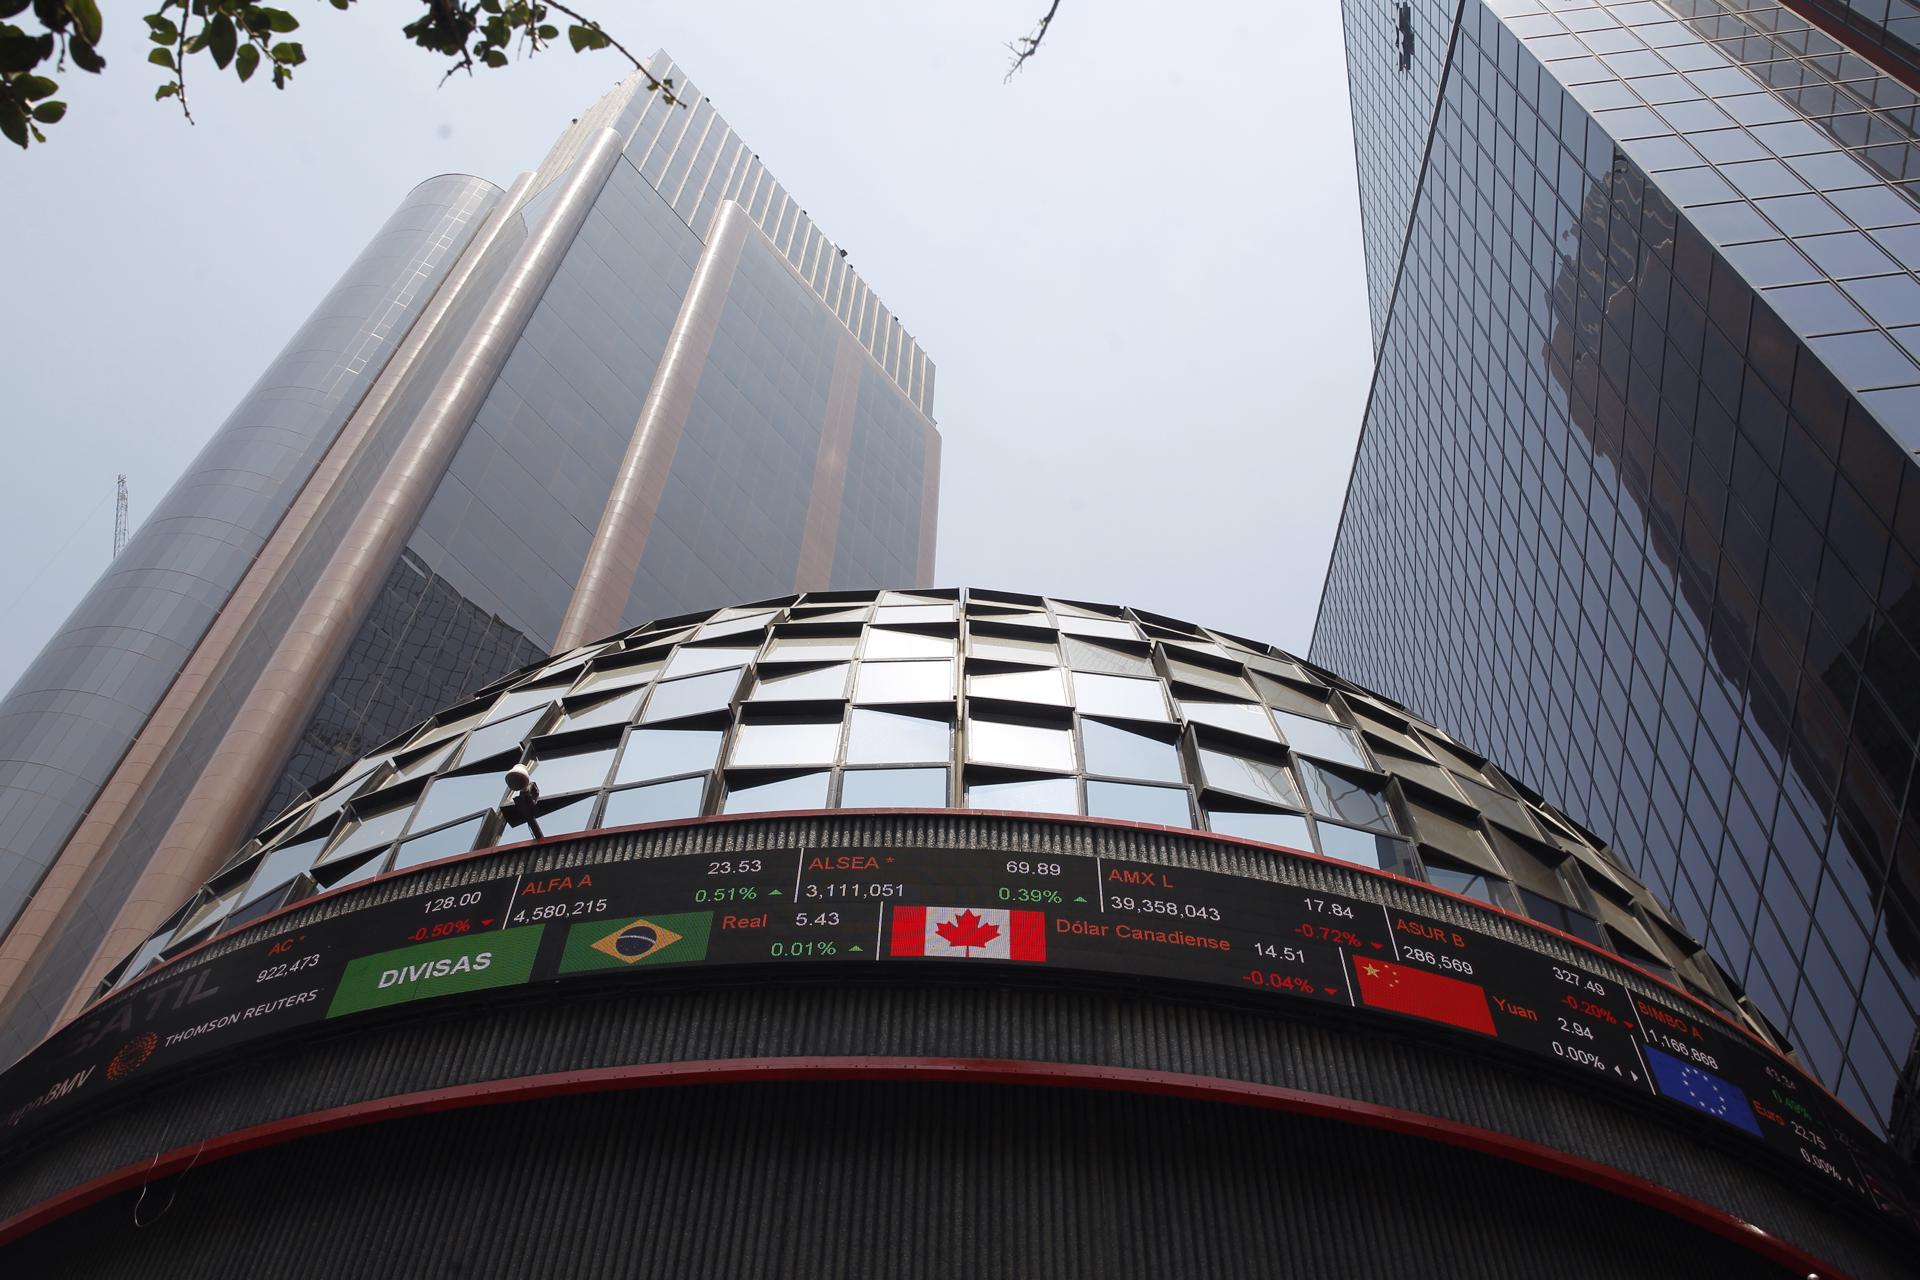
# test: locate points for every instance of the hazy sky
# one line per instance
(1137, 266)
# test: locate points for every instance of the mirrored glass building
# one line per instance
(639, 380)
(1635, 504)
(968, 908)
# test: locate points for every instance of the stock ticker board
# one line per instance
(819, 908)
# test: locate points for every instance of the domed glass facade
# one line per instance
(949, 699)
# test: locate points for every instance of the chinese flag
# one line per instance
(969, 933)
(1386, 985)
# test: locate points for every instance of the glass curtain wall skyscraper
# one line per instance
(1635, 504)
(639, 381)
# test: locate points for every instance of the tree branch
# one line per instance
(624, 52)
(242, 35)
(180, 60)
(1028, 45)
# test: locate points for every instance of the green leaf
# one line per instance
(10, 7)
(494, 58)
(164, 32)
(290, 53)
(30, 87)
(549, 32)
(166, 90)
(12, 123)
(280, 20)
(85, 56)
(221, 38)
(582, 38)
(161, 58)
(49, 112)
(86, 16)
(246, 60)
(20, 52)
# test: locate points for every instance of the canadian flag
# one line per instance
(970, 933)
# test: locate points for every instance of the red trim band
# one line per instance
(970, 1070)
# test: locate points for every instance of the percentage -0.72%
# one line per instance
(1338, 937)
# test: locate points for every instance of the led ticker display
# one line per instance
(1275, 944)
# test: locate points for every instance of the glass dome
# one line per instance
(951, 699)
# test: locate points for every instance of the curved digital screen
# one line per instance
(957, 907)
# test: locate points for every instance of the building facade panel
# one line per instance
(511, 522)
(228, 676)
(1397, 51)
(1888, 29)
(735, 503)
(1619, 511)
(880, 528)
(73, 712)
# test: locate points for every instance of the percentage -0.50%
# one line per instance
(445, 929)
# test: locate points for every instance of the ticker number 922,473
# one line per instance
(273, 971)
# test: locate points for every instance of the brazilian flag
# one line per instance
(628, 944)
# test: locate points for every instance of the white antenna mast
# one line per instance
(120, 515)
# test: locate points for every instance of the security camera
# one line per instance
(524, 798)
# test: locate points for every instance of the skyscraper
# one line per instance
(1635, 504)
(850, 931)
(638, 381)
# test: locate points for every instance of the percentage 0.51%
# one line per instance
(727, 893)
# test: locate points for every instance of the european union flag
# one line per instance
(1702, 1090)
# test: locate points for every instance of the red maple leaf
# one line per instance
(967, 930)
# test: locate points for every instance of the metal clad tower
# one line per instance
(521, 414)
